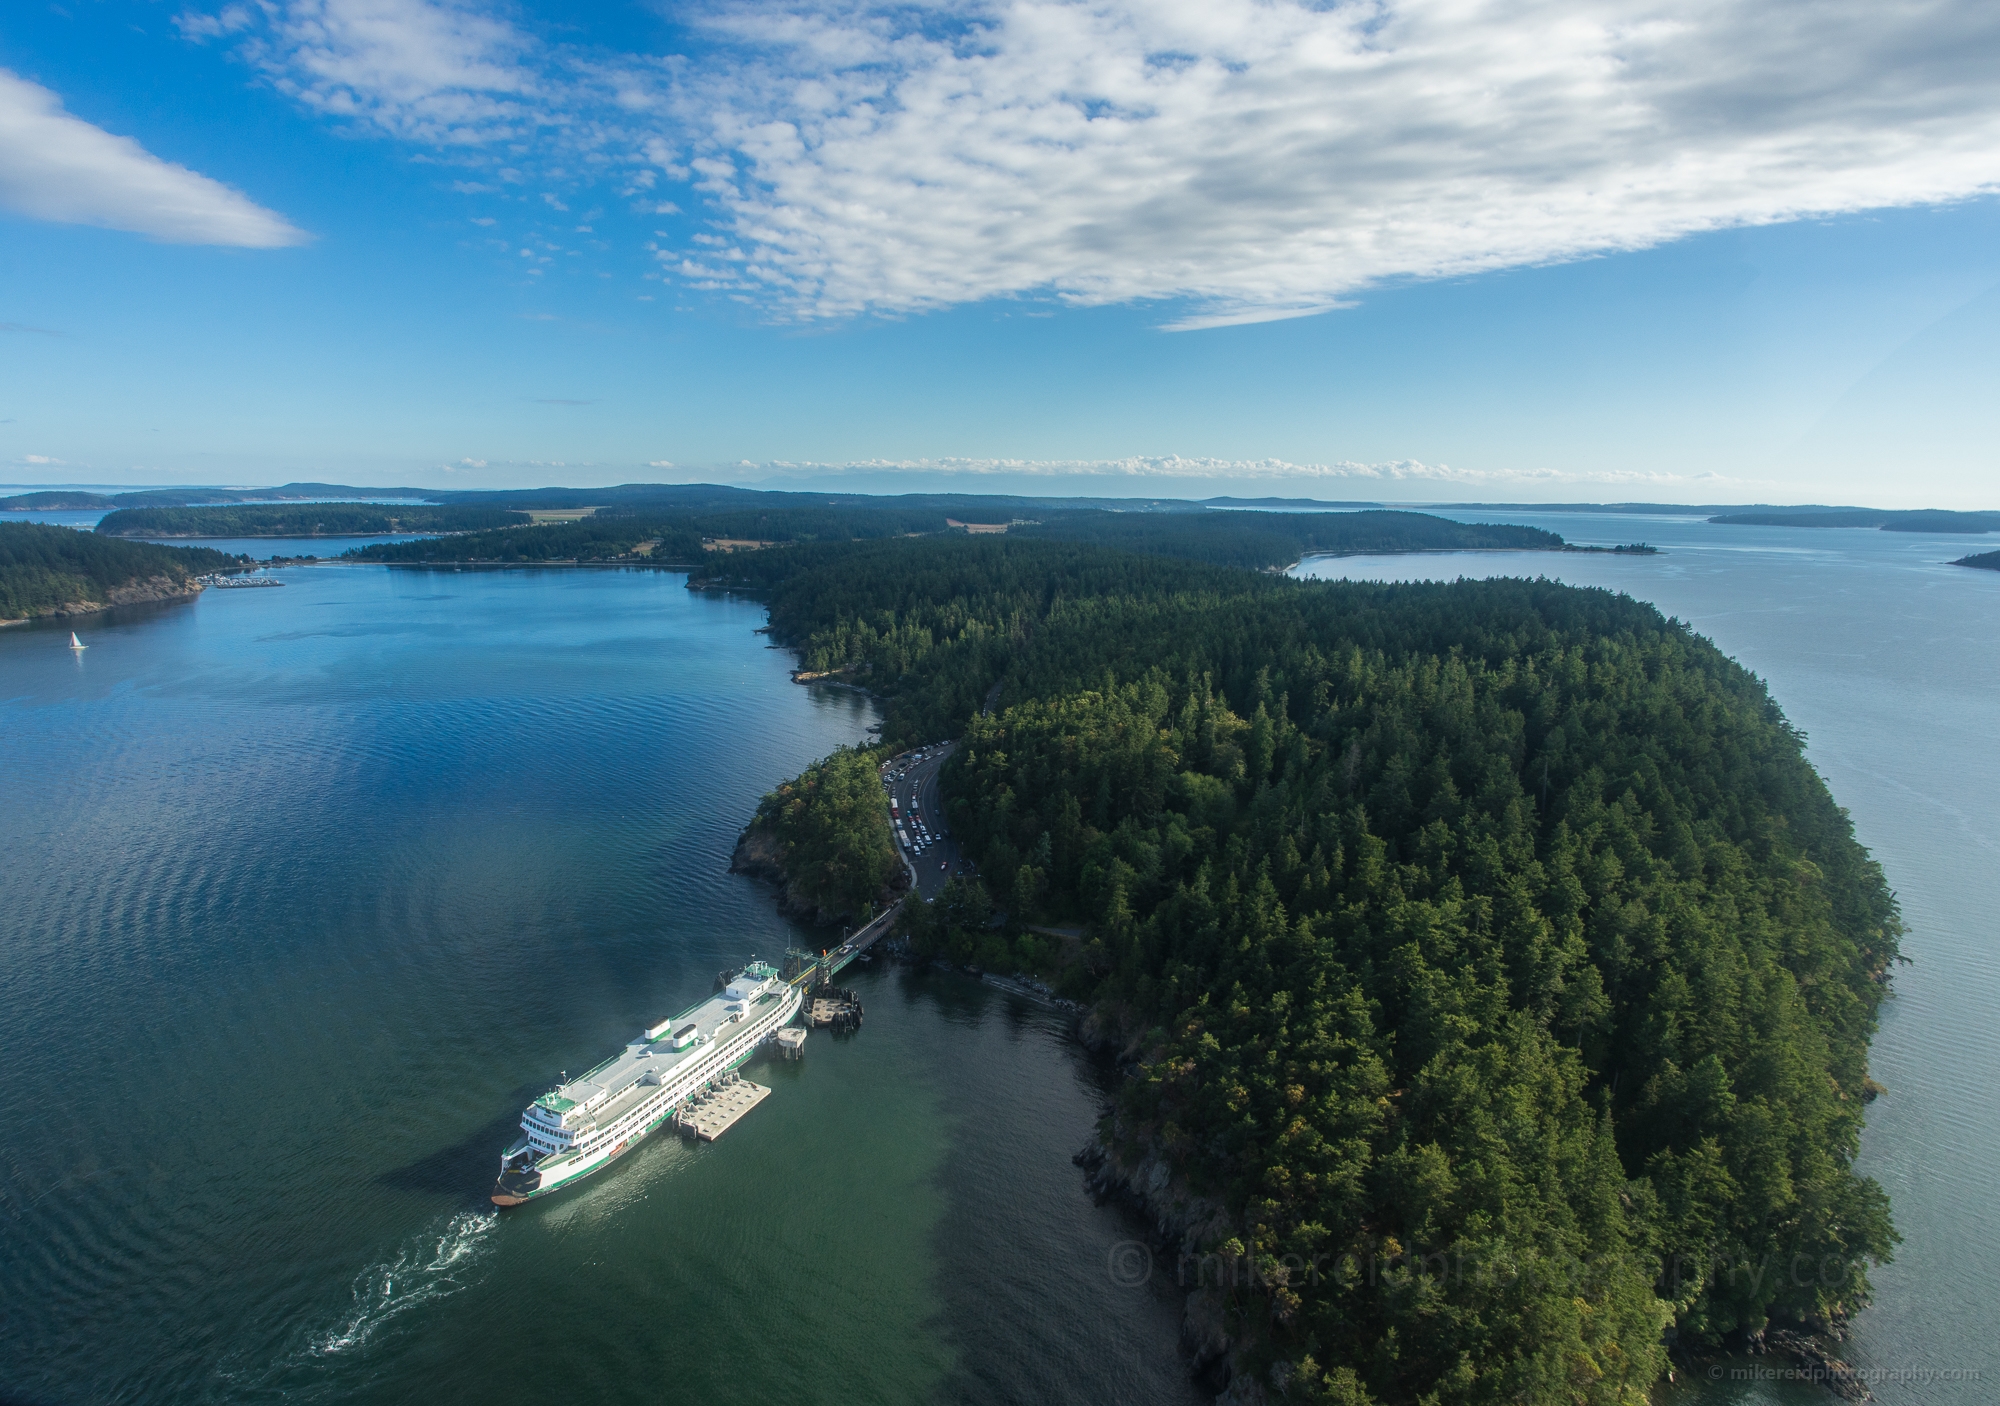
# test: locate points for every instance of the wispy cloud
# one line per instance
(55, 166)
(1240, 160)
(24, 327)
(429, 71)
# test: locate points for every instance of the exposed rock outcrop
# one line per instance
(1816, 1362)
(1184, 1229)
(153, 588)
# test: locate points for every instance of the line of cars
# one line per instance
(911, 831)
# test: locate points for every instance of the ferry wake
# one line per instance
(583, 1125)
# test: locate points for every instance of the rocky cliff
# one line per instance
(152, 588)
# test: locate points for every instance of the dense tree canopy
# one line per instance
(1490, 949)
(1263, 539)
(685, 535)
(838, 852)
(44, 568)
(302, 520)
(1888, 520)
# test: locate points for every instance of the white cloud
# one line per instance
(57, 167)
(428, 71)
(1264, 158)
(1252, 158)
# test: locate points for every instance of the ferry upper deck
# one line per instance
(652, 1059)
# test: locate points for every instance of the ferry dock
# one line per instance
(718, 1109)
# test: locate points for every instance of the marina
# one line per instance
(222, 582)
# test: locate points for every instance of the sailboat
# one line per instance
(75, 643)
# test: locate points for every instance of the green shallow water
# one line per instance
(309, 891)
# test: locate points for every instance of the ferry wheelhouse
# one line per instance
(574, 1130)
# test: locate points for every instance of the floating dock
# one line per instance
(716, 1112)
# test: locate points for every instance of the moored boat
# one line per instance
(586, 1123)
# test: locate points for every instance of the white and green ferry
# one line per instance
(571, 1132)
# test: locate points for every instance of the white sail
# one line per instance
(75, 643)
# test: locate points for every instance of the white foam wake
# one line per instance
(429, 1266)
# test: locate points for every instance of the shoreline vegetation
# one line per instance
(1984, 561)
(1492, 974)
(56, 500)
(499, 536)
(47, 571)
(825, 839)
(638, 535)
(306, 520)
(1911, 520)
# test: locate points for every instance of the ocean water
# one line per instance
(308, 891)
(1889, 659)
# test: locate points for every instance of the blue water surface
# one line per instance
(309, 890)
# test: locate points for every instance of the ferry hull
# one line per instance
(525, 1190)
(519, 1185)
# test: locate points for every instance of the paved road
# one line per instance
(913, 785)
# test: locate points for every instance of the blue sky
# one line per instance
(1406, 251)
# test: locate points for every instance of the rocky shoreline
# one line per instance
(1184, 1231)
(153, 588)
(1180, 1229)
(761, 855)
(1816, 1361)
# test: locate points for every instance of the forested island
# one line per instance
(305, 520)
(1909, 520)
(1986, 561)
(54, 500)
(58, 571)
(1493, 974)
(1270, 541)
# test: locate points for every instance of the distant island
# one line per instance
(306, 520)
(48, 570)
(1985, 561)
(61, 500)
(1911, 520)
(672, 533)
